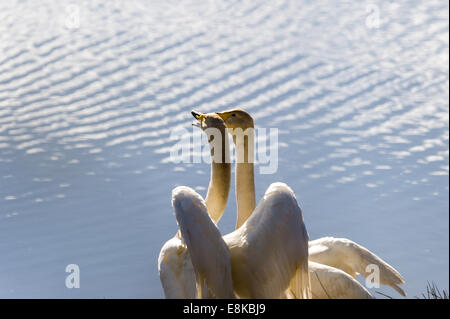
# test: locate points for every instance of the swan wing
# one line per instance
(332, 283)
(175, 270)
(354, 259)
(209, 254)
(270, 250)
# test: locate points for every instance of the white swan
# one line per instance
(326, 282)
(269, 250)
(268, 253)
(340, 284)
(174, 262)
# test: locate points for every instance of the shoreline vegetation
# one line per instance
(432, 292)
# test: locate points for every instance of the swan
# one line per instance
(326, 282)
(336, 260)
(269, 250)
(175, 267)
(268, 253)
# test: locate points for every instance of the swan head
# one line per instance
(208, 120)
(237, 118)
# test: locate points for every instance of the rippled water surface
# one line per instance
(90, 93)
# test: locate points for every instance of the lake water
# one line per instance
(89, 94)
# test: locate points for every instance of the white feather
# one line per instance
(209, 253)
(270, 248)
(353, 258)
(331, 283)
(176, 271)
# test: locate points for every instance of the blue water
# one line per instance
(90, 94)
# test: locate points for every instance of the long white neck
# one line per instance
(245, 180)
(219, 184)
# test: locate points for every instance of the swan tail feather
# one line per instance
(399, 290)
(388, 274)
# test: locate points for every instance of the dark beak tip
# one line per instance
(195, 114)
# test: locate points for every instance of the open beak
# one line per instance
(199, 116)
